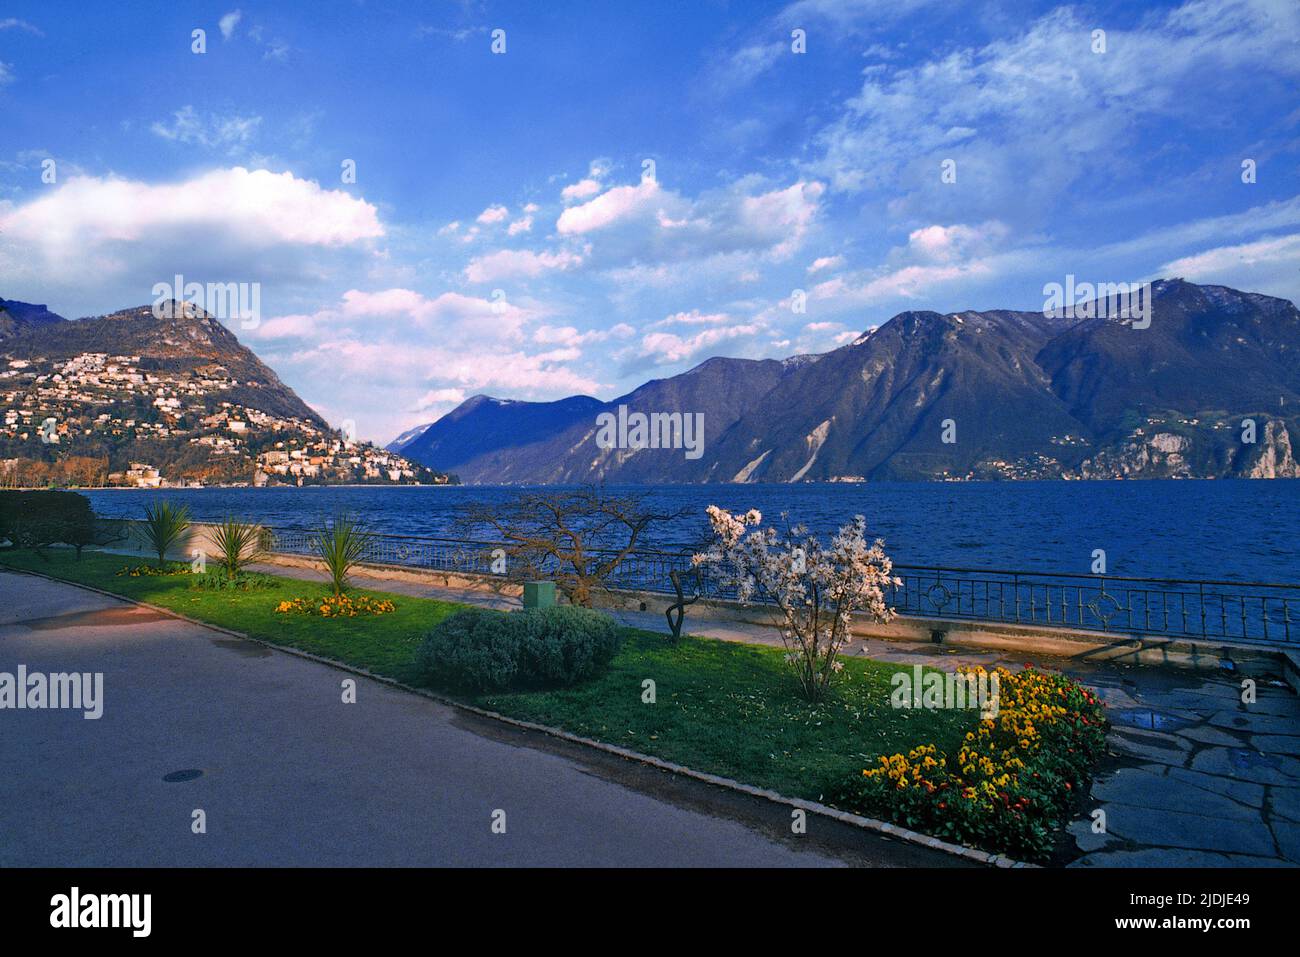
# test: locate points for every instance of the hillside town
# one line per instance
(103, 419)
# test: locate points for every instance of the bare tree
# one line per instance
(577, 537)
(676, 612)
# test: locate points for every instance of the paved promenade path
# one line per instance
(293, 776)
(1196, 777)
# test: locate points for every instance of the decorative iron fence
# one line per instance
(1234, 611)
(1237, 611)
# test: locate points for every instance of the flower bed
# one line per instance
(336, 606)
(154, 571)
(1015, 779)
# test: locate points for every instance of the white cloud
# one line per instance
(493, 214)
(399, 308)
(906, 282)
(582, 189)
(1265, 265)
(228, 23)
(508, 263)
(440, 397)
(238, 222)
(637, 227)
(666, 348)
(266, 207)
(1001, 110)
(944, 244)
(692, 318)
(608, 208)
(232, 133)
(13, 23)
(292, 326)
(392, 371)
(512, 371)
(371, 351)
(822, 263)
(570, 338)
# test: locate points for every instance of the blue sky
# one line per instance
(504, 235)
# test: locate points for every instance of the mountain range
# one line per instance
(1210, 388)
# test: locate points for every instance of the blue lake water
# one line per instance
(1232, 530)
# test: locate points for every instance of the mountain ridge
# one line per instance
(1026, 395)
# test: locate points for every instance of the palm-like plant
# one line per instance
(341, 544)
(164, 526)
(238, 545)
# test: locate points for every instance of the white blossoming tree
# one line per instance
(815, 589)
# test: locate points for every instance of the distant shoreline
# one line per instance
(204, 488)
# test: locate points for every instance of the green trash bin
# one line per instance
(539, 594)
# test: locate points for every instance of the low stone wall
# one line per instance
(1029, 640)
(198, 537)
(488, 584)
(1032, 640)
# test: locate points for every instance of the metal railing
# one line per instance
(1176, 608)
(1236, 611)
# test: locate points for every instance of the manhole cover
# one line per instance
(188, 774)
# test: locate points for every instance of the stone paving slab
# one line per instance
(1285, 803)
(1157, 791)
(1276, 744)
(1237, 832)
(1175, 857)
(1248, 765)
(1254, 722)
(1243, 792)
(1287, 834)
(1208, 735)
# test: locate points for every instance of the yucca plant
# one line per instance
(341, 544)
(164, 526)
(238, 544)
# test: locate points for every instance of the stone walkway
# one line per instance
(1196, 777)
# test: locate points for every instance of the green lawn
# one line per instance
(732, 709)
(721, 707)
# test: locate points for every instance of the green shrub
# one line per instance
(238, 544)
(164, 527)
(473, 649)
(565, 644)
(479, 649)
(341, 545)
